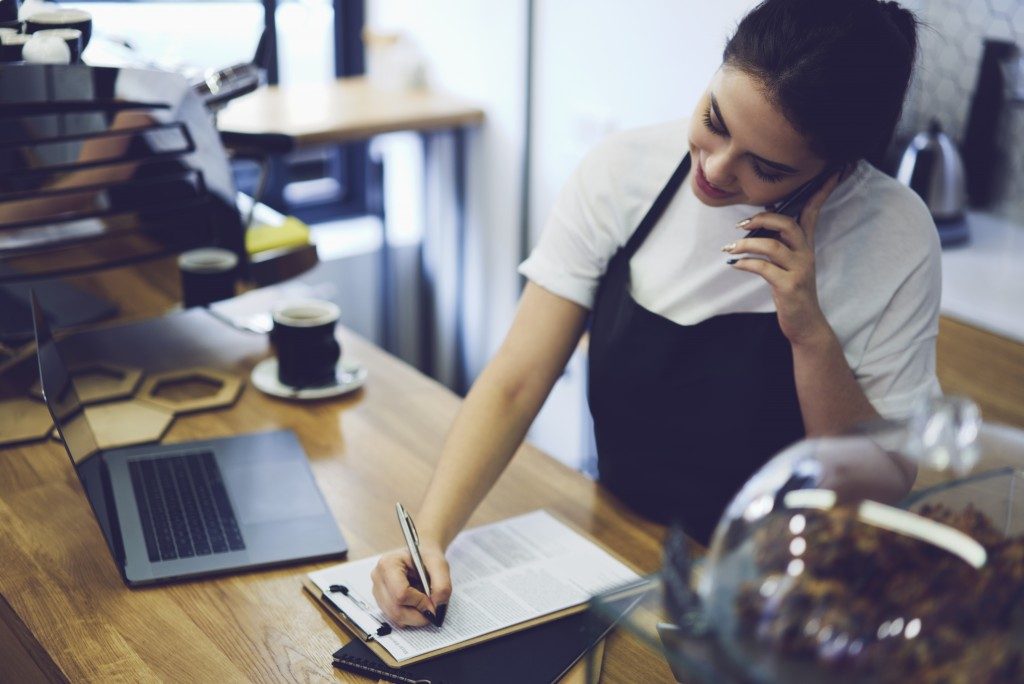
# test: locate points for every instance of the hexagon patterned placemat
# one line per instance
(126, 423)
(100, 381)
(191, 389)
(23, 420)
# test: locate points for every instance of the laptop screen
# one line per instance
(59, 392)
(73, 426)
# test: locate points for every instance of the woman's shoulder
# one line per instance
(879, 259)
(896, 195)
(640, 157)
(668, 138)
(600, 205)
(886, 215)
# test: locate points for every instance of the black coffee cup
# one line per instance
(303, 335)
(9, 10)
(72, 37)
(208, 275)
(62, 18)
(11, 46)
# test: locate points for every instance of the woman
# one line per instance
(703, 366)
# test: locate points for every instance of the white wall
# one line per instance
(602, 66)
(477, 49)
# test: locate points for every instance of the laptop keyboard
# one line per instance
(184, 507)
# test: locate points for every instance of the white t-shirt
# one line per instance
(876, 257)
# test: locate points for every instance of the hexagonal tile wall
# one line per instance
(23, 420)
(949, 60)
(100, 381)
(191, 389)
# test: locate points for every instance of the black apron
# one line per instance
(684, 414)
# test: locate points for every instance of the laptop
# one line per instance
(189, 510)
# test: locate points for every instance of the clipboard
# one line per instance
(370, 639)
(340, 616)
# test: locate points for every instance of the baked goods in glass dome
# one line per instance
(897, 597)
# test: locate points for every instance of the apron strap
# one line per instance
(656, 210)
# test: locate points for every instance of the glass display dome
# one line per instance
(822, 569)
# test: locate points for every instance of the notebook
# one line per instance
(510, 575)
(553, 652)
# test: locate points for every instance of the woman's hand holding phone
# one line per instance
(786, 262)
(397, 591)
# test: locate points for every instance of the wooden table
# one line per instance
(346, 110)
(67, 616)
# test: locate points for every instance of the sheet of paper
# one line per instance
(504, 573)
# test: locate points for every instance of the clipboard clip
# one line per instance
(383, 630)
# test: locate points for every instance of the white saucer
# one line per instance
(350, 377)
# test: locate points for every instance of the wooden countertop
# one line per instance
(982, 283)
(345, 110)
(64, 612)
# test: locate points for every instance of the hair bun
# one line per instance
(903, 19)
(838, 70)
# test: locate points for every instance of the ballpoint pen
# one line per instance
(412, 541)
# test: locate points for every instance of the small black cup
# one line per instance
(11, 46)
(62, 18)
(208, 275)
(303, 335)
(9, 10)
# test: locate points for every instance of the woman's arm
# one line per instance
(486, 432)
(499, 409)
(831, 399)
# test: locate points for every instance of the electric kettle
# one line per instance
(932, 167)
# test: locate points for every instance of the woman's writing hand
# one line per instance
(397, 588)
(787, 264)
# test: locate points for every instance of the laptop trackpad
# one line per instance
(266, 488)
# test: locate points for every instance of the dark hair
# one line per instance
(838, 69)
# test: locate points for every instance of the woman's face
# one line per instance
(744, 150)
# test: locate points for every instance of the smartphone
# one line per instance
(793, 204)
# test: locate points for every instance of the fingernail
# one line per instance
(430, 616)
(730, 262)
(441, 611)
(744, 222)
(729, 247)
